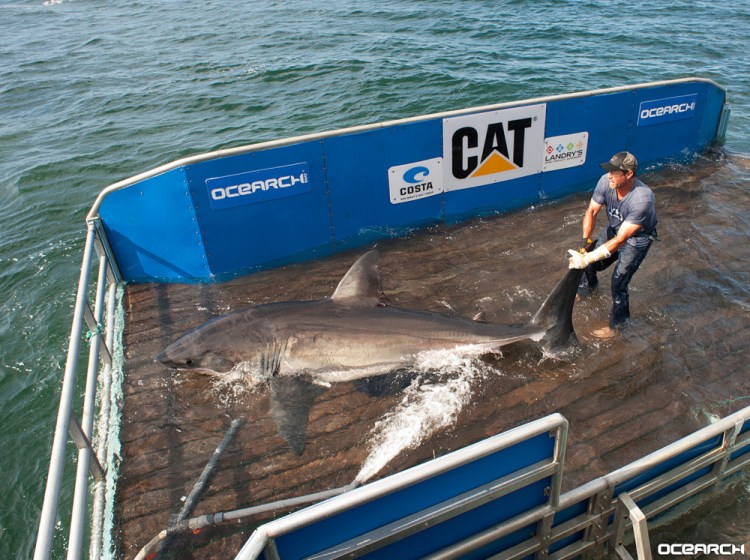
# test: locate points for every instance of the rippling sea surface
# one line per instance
(93, 92)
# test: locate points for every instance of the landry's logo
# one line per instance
(565, 151)
(490, 147)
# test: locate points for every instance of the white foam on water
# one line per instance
(432, 401)
(243, 378)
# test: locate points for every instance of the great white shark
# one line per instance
(300, 346)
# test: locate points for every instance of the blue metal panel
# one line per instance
(257, 232)
(469, 524)
(357, 167)
(663, 467)
(481, 201)
(274, 205)
(153, 230)
(606, 119)
(673, 137)
(564, 515)
(406, 501)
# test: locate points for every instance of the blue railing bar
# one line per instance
(543, 516)
(57, 457)
(670, 451)
(575, 550)
(441, 512)
(105, 410)
(681, 494)
(78, 516)
(737, 465)
(635, 468)
(94, 212)
(492, 534)
(676, 474)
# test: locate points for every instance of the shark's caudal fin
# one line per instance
(556, 313)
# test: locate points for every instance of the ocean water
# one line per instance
(92, 92)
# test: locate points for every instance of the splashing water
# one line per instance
(432, 401)
(243, 378)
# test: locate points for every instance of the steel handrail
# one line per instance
(605, 485)
(66, 421)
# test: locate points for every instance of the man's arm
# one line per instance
(589, 219)
(582, 260)
(626, 231)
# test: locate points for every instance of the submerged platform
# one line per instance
(681, 362)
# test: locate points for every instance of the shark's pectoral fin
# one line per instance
(291, 398)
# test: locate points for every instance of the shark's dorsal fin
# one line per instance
(361, 284)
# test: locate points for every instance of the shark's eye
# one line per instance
(188, 362)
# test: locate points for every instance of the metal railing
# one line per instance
(87, 323)
(588, 519)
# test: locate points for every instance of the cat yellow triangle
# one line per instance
(496, 163)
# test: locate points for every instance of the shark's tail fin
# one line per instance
(556, 313)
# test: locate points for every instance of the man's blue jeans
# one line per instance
(628, 258)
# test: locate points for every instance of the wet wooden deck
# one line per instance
(684, 357)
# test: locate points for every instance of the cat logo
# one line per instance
(495, 146)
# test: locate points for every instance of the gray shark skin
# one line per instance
(356, 333)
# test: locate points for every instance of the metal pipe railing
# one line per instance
(57, 457)
(730, 427)
(66, 420)
(78, 521)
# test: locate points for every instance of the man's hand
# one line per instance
(577, 259)
(585, 243)
(582, 260)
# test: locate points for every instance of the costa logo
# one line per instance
(414, 181)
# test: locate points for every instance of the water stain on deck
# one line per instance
(681, 361)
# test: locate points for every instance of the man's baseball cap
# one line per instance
(621, 161)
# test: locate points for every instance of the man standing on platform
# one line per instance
(630, 207)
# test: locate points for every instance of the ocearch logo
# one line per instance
(665, 110)
(694, 549)
(258, 186)
(244, 189)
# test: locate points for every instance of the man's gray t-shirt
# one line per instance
(638, 207)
